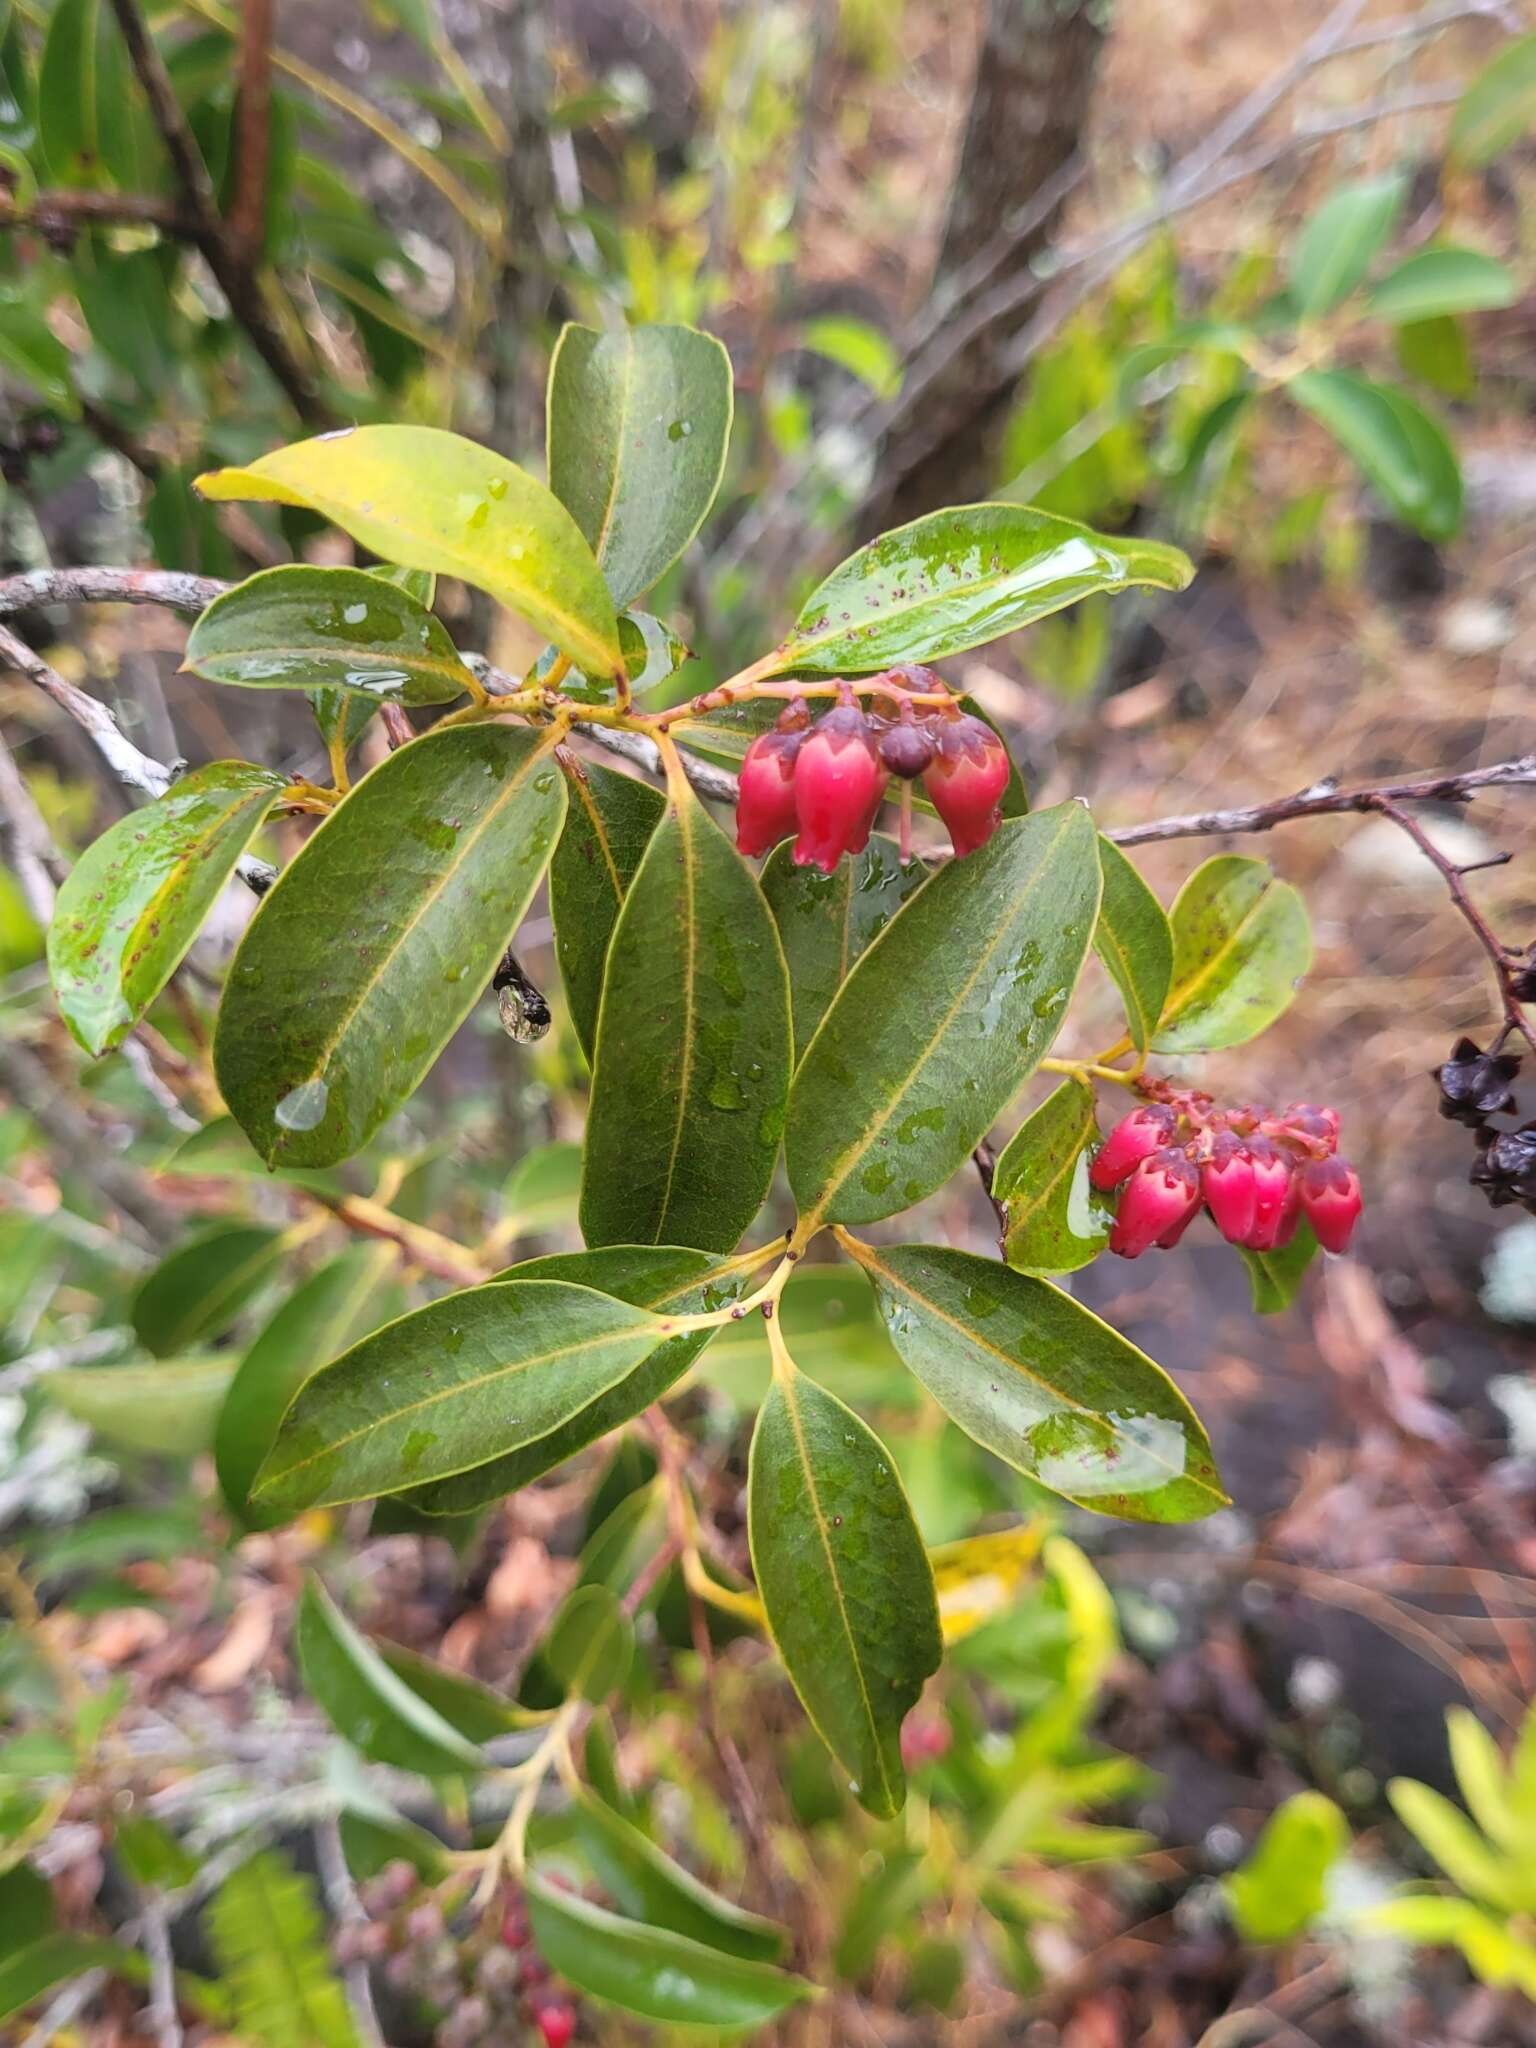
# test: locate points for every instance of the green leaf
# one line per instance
(1133, 940)
(36, 1969)
(1038, 1380)
(590, 1645)
(432, 500)
(1400, 449)
(373, 945)
(661, 1278)
(1056, 1221)
(639, 422)
(369, 1704)
(608, 825)
(29, 347)
(844, 1580)
(220, 1150)
(133, 902)
(27, 1911)
(1283, 1886)
(93, 123)
(472, 1710)
(693, 1048)
(266, 1930)
(344, 629)
(370, 1841)
(449, 1387)
(958, 578)
(1241, 943)
(826, 921)
(312, 1326)
(541, 1193)
(646, 1884)
(151, 1853)
(1444, 1832)
(198, 1290)
(1442, 280)
(645, 1970)
(833, 1332)
(1436, 352)
(1481, 1776)
(1338, 244)
(863, 351)
(1495, 1952)
(1275, 1277)
(943, 1019)
(168, 1408)
(1498, 106)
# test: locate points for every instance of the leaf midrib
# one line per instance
(1174, 1010)
(690, 1005)
(626, 388)
(258, 799)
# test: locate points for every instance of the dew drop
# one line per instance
(497, 487)
(302, 1107)
(679, 430)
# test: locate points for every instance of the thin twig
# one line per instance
(346, 1910)
(161, 2012)
(1320, 799)
(31, 1085)
(34, 856)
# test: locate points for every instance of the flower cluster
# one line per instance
(825, 781)
(1474, 1086)
(1258, 1173)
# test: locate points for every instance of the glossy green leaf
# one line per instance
(448, 1387)
(958, 578)
(659, 1278)
(1275, 1277)
(473, 1710)
(1338, 244)
(35, 1970)
(1133, 940)
(93, 122)
(366, 1702)
(647, 1885)
(1436, 352)
(1283, 1886)
(304, 628)
(844, 1580)
(1056, 1221)
(197, 1290)
(134, 901)
(1400, 449)
(693, 1048)
(1442, 280)
(1468, 1859)
(1041, 1382)
(221, 1150)
(608, 825)
(432, 500)
(590, 1645)
(943, 1018)
(639, 421)
(318, 1320)
(375, 942)
(168, 1408)
(1241, 943)
(835, 1335)
(647, 1970)
(1498, 107)
(826, 921)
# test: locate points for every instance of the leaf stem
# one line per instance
(1092, 1070)
(509, 1851)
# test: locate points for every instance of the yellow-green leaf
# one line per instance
(1241, 943)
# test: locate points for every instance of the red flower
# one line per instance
(1133, 1139)
(1227, 1182)
(765, 807)
(1331, 1200)
(966, 779)
(838, 786)
(1274, 1211)
(1156, 1203)
(556, 2024)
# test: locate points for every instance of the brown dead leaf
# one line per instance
(244, 1644)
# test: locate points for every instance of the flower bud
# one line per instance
(1156, 1203)
(838, 786)
(765, 807)
(924, 1738)
(966, 779)
(1312, 1120)
(906, 749)
(1475, 1084)
(1330, 1200)
(1227, 1182)
(1273, 1172)
(556, 2025)
(1136, 1136)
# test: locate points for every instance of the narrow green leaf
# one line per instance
(844, 1580)
(1441, 280)
(1436, 352)
(36, 1969)
(376, 1711)
(693, 1048)
(373, 945)
(1133, 940)
(473, 1710)
(1498, 107)
(958, 578)
(1056, 1221)
(647, 1885)
(590, 1645)
(943, 1018)
(660, 1278)
(30, 348)
(1482, 1778)
(317, 1321)
(1241, 943)
(432, 500)
(1444, 1832)
(1494, 1952)
(646, 1970)
(1275, 1277)
(197, 1291)
(134, 901)
(1338, 244)
(304, 628)
(448, 1387)
(93, 123)
(1400, 449)
(1041, 1382)
(863, 351)
(168, 1408)
(27, 1912)
(608, 825)
(370, 1841)
(639, 422)
(1283, 1886)
(826, 921)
